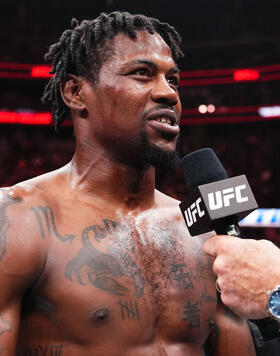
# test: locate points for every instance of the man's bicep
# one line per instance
(21, 249)
(15, 278)
(230, 336)
(21, 262)
(9, 324)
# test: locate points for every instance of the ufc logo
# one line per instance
(192, 212)
(222, 198)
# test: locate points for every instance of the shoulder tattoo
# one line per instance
(4, 222)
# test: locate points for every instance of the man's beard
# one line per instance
(145, 154)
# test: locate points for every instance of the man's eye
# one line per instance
(173, 81)
(143, 72)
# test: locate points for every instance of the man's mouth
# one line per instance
(165, 120)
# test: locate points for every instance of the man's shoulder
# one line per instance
(20, 239)
(17, 204)
(28, 192)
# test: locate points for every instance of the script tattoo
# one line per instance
(206, 298)
(129, 310)
(101, 270)
(183, 278)
(202, 269)
(45, 214)
(4, 223)
(56, 350)
(5, 326)
(192, 315)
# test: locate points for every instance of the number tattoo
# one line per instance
(129, 310)
(55, 350)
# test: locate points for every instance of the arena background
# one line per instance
(230, 90)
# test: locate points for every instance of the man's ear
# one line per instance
(70, 90)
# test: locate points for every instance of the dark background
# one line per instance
(216, 34)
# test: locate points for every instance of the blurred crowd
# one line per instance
(26, 152)
(251, 149)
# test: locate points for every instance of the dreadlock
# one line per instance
(83, 49)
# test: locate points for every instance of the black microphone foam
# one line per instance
(202, 167)
(215, 202)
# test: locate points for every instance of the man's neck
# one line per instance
(97, 175)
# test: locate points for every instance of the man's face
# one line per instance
(135, 106)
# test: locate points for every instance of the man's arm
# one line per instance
(230, 335)
(21, 261)
(246, 270)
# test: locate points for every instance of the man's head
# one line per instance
(120, 71)
(83, 49)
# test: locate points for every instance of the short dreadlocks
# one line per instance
(83, 49)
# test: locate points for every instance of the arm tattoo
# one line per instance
(5, 326)
(45, 214)
(4, 223)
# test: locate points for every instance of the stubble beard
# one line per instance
(146, 154)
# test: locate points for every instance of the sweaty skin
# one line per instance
(93, 259)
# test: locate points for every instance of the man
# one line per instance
(94, 260)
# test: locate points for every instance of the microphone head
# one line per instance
(202, 167)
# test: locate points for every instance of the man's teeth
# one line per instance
(164, 120)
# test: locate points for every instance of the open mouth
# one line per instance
(164, 125)
(165, 120)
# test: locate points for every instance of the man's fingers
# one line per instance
(211, 245)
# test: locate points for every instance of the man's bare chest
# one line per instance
(143, 271)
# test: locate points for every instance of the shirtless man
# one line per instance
(93, 260)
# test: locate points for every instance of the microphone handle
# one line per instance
(227, 226)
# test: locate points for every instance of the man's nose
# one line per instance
(162, 92)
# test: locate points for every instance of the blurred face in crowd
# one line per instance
(134, 109)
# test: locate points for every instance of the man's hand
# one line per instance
(246, 270)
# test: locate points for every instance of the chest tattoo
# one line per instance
(102, 270)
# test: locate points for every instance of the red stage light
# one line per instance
(246, 74)
(41, 72)
(25, 118)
